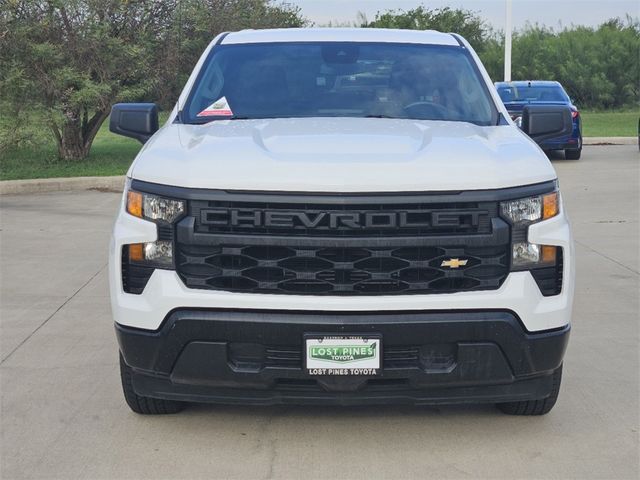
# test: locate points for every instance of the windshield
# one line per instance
(548, 93)
(333, 79)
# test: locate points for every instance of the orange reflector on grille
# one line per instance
(550, 206)
(134, 203)
(136, 252)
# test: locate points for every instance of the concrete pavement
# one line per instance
(47, 185)
(63, 415)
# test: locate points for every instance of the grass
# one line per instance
(610, 124)
(112, 154)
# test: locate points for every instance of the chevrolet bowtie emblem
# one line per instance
(453, 263)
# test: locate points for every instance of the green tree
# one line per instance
(599, 67)
(68, 61)
(465, 22)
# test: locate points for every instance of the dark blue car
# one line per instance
(516, 95)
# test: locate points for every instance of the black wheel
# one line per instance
(144, 405)
(573, 154)
(535, 407)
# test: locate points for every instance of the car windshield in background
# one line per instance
(334, 79)
(541, 94)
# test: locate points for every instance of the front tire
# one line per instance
(535, 407)
(144, 405)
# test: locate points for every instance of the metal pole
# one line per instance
(507, 43)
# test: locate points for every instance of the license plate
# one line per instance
(342, 355)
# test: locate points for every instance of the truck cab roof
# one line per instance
(430, 37)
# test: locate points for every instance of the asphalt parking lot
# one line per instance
(63, 415)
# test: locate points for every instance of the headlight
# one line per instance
(154, 208)
(525, 211)
(530, 255)
(521, 213)
(153, 254)
(162, 211)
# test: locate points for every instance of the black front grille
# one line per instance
(291, 357)
(341, 245)
(341, 271)
(434, 357)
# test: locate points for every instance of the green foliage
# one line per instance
(464, 22)
(599, 67)
(110, 154)
(70, 60)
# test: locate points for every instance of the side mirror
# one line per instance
(135, 120)
(542, 122)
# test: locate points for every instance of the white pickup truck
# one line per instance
(341, 216)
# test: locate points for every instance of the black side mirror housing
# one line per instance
(135, 120)
(542, 122)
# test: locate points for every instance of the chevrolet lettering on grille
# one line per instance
(249, 218)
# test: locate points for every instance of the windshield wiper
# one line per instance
(210, 119)
(381, 116)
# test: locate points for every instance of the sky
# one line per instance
(552, 13)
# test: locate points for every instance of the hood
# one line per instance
(341, 155)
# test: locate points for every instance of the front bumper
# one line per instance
(256, 357)
(165, 292)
